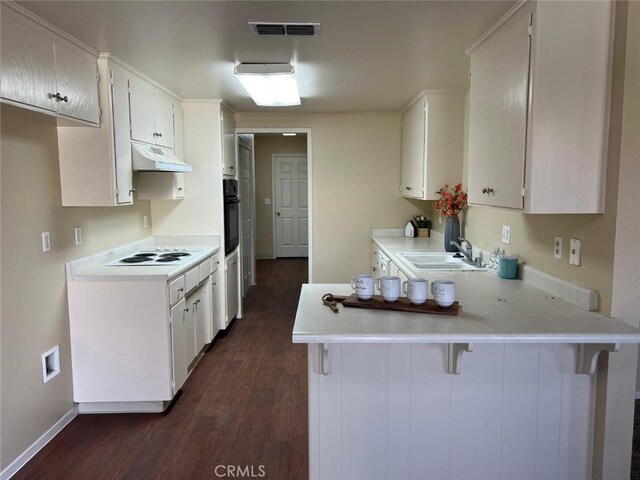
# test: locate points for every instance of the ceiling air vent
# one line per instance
(305, 29)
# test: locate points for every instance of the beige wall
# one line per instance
(34, 310)
(265, 146)
(355, 184)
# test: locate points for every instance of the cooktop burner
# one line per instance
(175, 254)
(136, 259)
(167, 259)
(148, 255)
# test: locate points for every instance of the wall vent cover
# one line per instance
(296, 29)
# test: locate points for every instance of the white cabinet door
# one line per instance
(432, 144)
(232, 275)
(414, 125)
(119, 80)
(202, 316)
(190, 325)
(498, 116)
(163, 110)
(77, 83)
(141, 104)
(27, 64)
(228, 142)
(179, 344)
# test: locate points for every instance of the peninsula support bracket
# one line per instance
(454, 356)
(325, 359)
(588, 354)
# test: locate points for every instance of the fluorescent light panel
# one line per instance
(269, 84)
(289, 134)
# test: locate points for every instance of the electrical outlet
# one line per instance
(575, 247)
(77, 231)
(46, 241)
(506, 234)
(267, 201)
(145, 221)
(557, 247)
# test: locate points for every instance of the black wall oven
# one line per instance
(231, 215)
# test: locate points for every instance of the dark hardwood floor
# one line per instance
(244, 406)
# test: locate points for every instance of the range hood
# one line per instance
(150, 158)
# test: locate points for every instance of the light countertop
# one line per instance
(492, 311)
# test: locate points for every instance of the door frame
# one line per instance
(273, 194)
(307, 132)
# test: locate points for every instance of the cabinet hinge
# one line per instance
(111, 76)
(530, 27)
(524, 191)
(97, 77)
(117, 192)
(99, 112)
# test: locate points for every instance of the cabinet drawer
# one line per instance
(205, 269)
(176, 290)
(191, 279)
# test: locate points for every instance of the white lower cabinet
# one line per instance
(134, 343)
(515, 411)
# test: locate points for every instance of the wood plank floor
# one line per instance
(245, 405)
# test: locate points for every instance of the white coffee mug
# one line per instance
(416, 290)
(444, 292)
(364, 285)
(389, 287)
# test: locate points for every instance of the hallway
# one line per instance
(244, 407)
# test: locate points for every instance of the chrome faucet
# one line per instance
(467, 250)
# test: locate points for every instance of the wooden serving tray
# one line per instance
(401, 305)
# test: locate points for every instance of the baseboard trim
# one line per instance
(30, 452)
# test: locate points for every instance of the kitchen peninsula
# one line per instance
(505, 389)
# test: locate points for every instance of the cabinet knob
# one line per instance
(59, 97)
(179, 189)
(487, 190)
(181, 289)
(132, 191)
(407, 188)
(278, 213)
(159, 134)
(186, 309)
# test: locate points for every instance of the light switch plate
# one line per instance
(267, 201)
(77, 231)
(575, 247)
(557, 247)
(506, 234)
(145, 221)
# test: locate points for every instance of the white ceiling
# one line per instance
(370, 56)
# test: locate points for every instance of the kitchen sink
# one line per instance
(437, 261)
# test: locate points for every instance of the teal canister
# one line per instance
(508, 267)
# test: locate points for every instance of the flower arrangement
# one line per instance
(452, 200)
(421, 221)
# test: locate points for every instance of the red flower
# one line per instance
(451, 201)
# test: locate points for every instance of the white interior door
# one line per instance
(246, 216)
(291, 217)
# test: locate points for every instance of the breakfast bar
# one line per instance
(504, 389)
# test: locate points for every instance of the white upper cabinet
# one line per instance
(151, 114)
(229, 162)
(95, 163)
(44, 72)
(432, 143)
(539, 108)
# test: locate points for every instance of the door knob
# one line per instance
(278, 213)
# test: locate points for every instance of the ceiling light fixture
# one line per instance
(289, 134)
(269, 84)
